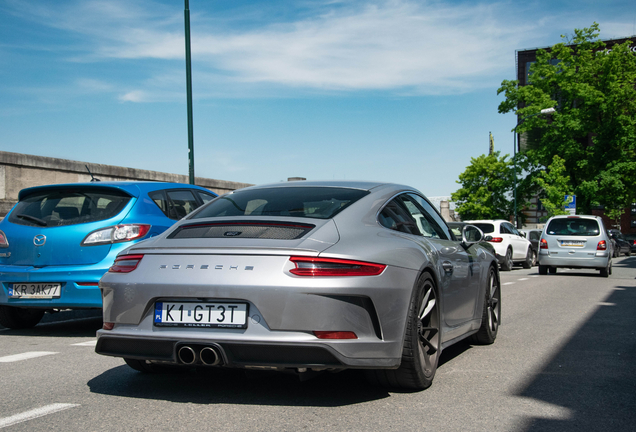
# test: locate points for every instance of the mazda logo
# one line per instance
(39, 240)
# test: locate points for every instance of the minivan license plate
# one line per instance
(35, 290)
(572, 243)
(201, 314)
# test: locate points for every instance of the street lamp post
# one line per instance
(186, 17)
(514, 157)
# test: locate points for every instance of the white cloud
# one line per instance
(134, 96)
(402, 46)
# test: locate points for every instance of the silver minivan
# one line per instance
(575, 242)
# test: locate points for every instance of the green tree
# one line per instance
(555, 184)
(594, 128)
(485, 185)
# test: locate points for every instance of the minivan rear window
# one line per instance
(573, 227)
(68, 206)
(303, 202)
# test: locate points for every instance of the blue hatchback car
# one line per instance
(58, 240)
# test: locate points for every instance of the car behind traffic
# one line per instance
(58, 240)
(575, 242)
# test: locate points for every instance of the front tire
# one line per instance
(422, 346)
(506, 265)
(19, 318)
(491, 316)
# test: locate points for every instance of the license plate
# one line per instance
(572, 243)
(35, 290)
(201, 314)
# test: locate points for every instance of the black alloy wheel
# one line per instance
(422, 342)
(527, 263)
(491, 316)
(506, 265)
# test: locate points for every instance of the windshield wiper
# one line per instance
(32, 219)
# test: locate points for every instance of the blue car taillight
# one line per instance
(3, 240)
(116, 234)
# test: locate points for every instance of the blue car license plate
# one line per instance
(201, 314)
(34, 290)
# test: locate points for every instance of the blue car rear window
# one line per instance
(58, 207)
(304, 202)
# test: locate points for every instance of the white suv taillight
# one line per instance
(116, 234)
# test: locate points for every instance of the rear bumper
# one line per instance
(599, 261)
(72, 296)
(239, 354)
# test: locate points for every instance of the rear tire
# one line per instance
(422, 346)
(19, 318)
(506, 265)
(534, 258)
(543, 269)
(491, 316)
(528, 261)
(552, 270)
(605, 272)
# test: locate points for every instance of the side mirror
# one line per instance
(524, 235)
(471, 235)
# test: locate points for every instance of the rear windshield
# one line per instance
(573, 227)
(486, 228)
(304, 202)
(57, 207)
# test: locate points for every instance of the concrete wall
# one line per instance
(19, 171)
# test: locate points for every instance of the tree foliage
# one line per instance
(487, 187)
(555, 184)
(594, 128)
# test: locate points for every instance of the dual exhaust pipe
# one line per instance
(209, 356)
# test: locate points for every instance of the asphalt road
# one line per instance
(564, 360)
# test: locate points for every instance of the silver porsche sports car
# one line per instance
(304, 276)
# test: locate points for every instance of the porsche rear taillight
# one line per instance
(125, 263)
(602, 245)
(307, 266)
(543, 244)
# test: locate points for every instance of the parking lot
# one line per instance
(564, 359)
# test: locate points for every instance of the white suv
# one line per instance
(510, 245)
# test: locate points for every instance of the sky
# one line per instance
(401, 91)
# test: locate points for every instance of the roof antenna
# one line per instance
(93, 179)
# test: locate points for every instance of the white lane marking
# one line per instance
(25, 356)
(89, 343)
(34, 413)
(522, 279)
(509, 283)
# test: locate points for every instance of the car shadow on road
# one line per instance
(236, 386)
(594, 374)
(76, 327)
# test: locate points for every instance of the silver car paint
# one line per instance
(284, 308)
(575, 257)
